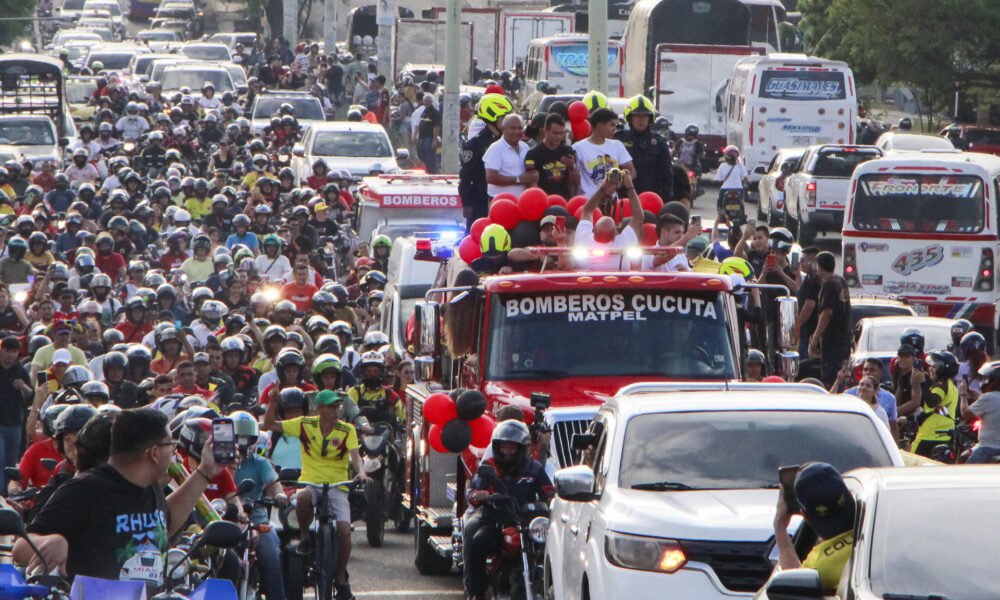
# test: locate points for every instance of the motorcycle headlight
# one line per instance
(538, 529)
(643, 553)
(372, 464)
(289, 520)
(272, 294)
(176, 560)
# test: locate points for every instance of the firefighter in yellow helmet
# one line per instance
(491, 110)
(649, 150)
(498, 255)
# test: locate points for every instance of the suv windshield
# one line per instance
(678, 335)
(742, 449)
(919, 203)
(73, 5)
(886, 338)
(352, 144)
(303, 108)
(841, 162)
(115, 61)
(175, 79)
(21, 132)
(206, 52)
(900, 549)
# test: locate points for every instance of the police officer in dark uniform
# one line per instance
(472, 174)
(650, 152)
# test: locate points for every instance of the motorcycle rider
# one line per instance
(509, 471)
(732, 175)
(650, 151)
(938, 409)
(690, 150)
(370, 396)
(328, 445)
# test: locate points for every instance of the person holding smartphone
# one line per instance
(828, 509)
(554, 160)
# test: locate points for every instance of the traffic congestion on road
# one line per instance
(712, 330)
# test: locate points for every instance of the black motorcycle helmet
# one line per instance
(292, 398)
(328, 344)
(49, 417)
(516, 432)
(913, 338)
(72, 420)
(959, 328)
(944, 363)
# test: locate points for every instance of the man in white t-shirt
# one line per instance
(504, 160)
(670, 234)
(731, 174)
(600, 152)
(604, 234)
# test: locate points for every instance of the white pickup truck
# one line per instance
(816, 194)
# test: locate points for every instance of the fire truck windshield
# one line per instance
(655, 333)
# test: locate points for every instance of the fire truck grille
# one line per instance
(562, 440)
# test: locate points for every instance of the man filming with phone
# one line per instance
(818, 493)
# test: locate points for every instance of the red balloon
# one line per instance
(532, 204)
(434, 437)
(651, 201)
(482, 429)
(505, 213)
(649, 236)
(476, 231)
(597, 213)
(577, 112)
(581, 130)
(505, 196)
(575, 203)
(439, 408)
(468, 249)
(556, 200)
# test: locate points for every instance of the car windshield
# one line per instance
(79, 92)
(114, 61)
(206, 52)
(303, 108)
(841, 162)
(682, 335)
(919, 203)
(861, 311)
(903, 141)
(111, 7)
(21, 132)
(158, 36)
(885, 338)
(175, 79)
(73, 4)
(912, 525)
(983, 136)
(359, 144)
(742, 449)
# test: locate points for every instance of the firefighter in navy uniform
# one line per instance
(649, 150)
(472, 174)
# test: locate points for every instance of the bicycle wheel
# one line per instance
(326, 562)
(374, 518)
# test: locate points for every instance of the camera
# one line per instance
(540, 401)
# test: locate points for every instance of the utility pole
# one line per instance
(290, 21)
(597, 46)
(386, 19)
(449, 112)
(330, 26)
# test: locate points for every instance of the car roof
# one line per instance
(915, 322)
(973, 476)
(873, 300)
(645, 398)
(346, 126)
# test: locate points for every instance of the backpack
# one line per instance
(688, 151)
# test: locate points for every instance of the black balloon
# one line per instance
(557, 210)
(677, 209)
(525, 234)
(648, 216)
(470, 405)
(456, 435)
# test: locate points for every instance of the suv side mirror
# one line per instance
(795, 584)
(402, 154)
(575, 484)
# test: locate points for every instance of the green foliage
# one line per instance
(11, 31)
(934, 46)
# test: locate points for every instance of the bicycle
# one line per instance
(324, 553)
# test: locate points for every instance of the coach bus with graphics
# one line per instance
(564, 60)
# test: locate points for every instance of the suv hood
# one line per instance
(36, 154)
(572, 391)
(725, 515)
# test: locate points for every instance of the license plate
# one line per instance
(732, 207)
(921, 309)
(799, 140)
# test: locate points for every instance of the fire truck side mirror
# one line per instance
(426, 323)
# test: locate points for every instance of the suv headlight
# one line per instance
(643, 553)
(538, 529)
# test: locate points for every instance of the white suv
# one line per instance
(679, 482)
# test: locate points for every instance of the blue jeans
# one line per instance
(983, 454)
(10, 449)
(269, 565)
(425, 150)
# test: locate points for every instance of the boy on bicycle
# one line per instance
(328, 445)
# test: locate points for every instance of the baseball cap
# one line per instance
(824, 499)
(698, 243)
(61, 357)
(201, 357)
(320, 206)
(60, 327)
(328, 397)
(10, 342)
(548, 220)
(906, 350)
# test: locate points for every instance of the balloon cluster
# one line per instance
(457, 420)
(578, 122)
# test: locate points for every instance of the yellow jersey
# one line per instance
(940, 418)
(829, 558)
(324, 459)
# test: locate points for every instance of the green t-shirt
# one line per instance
(15, 271)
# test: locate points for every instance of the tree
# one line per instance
(11, 31)
(936, 47)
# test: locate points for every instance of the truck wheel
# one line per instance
(792, 225)
(427, 561)
(807, 233)
(775, 220)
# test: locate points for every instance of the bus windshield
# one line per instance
(575, 58)
(716, 22)
(928, 203)
(681, 334)
(802, 85)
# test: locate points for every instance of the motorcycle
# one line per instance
(383, 497)
(732, 205)
(517, 570)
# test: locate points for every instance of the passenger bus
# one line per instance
(788, 101)
(924, 225)
(702, 22)
(564, 60)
